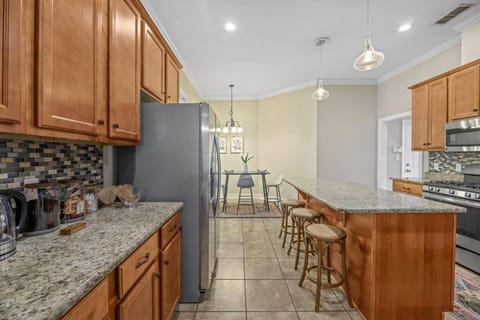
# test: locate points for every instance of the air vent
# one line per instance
(455, 12)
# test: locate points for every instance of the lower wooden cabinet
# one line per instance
(171, 277)
(405, 186)
(93, 307)
(143, 302)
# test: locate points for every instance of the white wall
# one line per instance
(346, 138)
(471, 43)
(393, 95)
(287, 134)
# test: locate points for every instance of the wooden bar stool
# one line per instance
(321, 237)
(300, 216)
(287, 205)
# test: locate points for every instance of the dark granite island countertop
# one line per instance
(49, 274)
(355, 198)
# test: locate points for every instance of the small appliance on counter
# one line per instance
(43, 214)
(13, 208)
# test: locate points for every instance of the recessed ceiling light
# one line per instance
(405, 27)
(230, 26)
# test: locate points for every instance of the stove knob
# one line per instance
(451, 191)
(477, 196)
(437, 189)
(468, 194)
(430, 188)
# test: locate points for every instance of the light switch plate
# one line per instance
(458, 167)
(436, 166)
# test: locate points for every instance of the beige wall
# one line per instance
(393, 94)
(346, 141)
(471, 43)
(187, 87)
(287, 135)
(246, 112)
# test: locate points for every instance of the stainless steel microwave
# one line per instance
(462, 135)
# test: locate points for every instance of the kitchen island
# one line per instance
(400, 248)
(51, 273)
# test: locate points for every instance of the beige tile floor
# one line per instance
(256, 280)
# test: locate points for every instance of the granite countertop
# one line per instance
(418, 180)
(355, 198)
(50, 273)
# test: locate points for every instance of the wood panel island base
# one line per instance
(400, 262)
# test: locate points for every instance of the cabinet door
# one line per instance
(464, 91)
(420, 118)
(172, 79)
(11, 61)
(171, 277)
(153, 61)
(68, 84)
(124, 108)
(437, 114)
(143, 301)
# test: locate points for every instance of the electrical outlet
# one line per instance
(436, 166)
(458, 167)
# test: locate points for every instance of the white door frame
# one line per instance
(382, 146)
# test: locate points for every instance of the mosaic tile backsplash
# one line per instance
(447, 161)
(48, 161)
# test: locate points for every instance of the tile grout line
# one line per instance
(244, 271)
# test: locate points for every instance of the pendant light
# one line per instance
(232, 125)
(369, 58)
(320, 92)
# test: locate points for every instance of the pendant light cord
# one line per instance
(368, 18)
(231, 102)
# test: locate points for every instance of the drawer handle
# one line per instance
(166, 262)
(173, 228)
(142, 261)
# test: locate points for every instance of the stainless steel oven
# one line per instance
(462, 135)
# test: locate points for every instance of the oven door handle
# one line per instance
(455, 201)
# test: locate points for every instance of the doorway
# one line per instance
(395, 156)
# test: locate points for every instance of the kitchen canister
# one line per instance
(72, 200)
(43, 209)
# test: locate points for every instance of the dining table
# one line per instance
(262, 173)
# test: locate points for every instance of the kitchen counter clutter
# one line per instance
(51, 273)
(400, 248)
(354, 198)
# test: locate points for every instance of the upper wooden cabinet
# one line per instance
(153, 64)
(464, 93)
(125, 33)
(429, 115)
(11, 58)
(172, 80)
(69, 90)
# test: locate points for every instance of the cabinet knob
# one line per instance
(476, 109)
(166, 262)
(116, 126)
(169, 96)
(101, 122)
(157, 275)
(425, 144)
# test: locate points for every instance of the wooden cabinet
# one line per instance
(429, 115)
(464, 93)
(143, 302)
(69, 78)
(153, 64)
(12, 57)
(124, 59)
(171, 277)
(172, 80)
(408, 187)
(93, 307)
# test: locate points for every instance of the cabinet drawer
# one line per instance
(407, 187)
(93, 307)
(169, 229)
(135, 265)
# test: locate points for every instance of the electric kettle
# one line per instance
(13, 207)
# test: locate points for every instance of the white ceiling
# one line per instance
(272, 48)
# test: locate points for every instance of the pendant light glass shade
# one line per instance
(369, 59)
(320, 93)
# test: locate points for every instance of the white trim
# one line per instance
(412, 63)
(382, 148)
(227, 98)
(470, 21)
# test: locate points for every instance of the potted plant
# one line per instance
(245, 158)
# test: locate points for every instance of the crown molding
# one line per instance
(215, 97)
(151, 11)
(474, 19)
(412, 63)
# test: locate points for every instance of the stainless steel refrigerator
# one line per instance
(178, 160)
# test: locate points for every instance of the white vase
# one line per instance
(245, 168)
